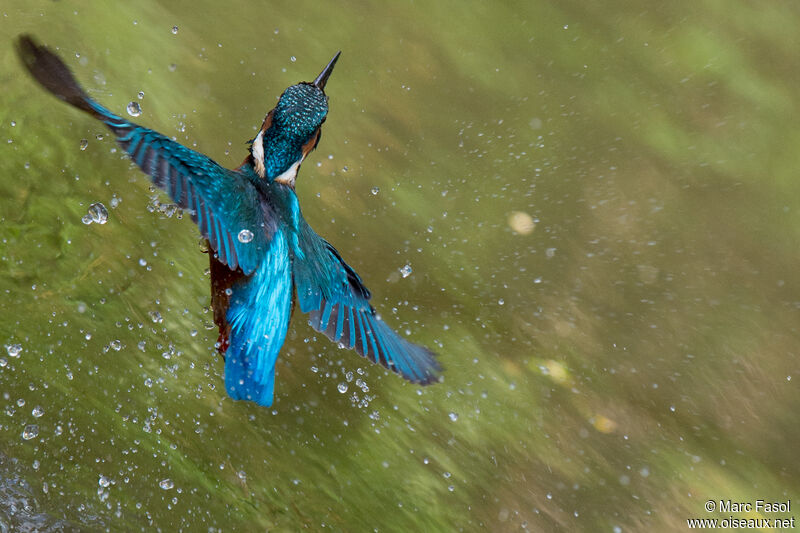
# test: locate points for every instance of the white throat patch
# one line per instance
(290, 174)
(258, 155)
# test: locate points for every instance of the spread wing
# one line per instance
(338, 305)
(222, 202)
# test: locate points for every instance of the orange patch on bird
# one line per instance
(311, 144)
(267, 121)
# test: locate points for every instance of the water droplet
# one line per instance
(292, 59)
(453, 416)
(140, 95)
(115, 201)
(14, 349)
(155, 316)
(405, 271)
(174, 30)
(172, 67)
(116, 345)
(97, 213)
(550, 252)
(103, 481)
(342, 387)
(166, 484)
(31, 431)
(134, 109)
(37, 411)
(375, 191)
(245, 236)
(501, 302)
(84, 144)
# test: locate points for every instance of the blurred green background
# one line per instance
(598, 201)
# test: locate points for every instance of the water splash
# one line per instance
(134, 109)
(31, 431)
(14, 349)
(97, 213)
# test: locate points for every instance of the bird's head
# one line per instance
(292, 129)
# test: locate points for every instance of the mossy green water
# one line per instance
(625, 355)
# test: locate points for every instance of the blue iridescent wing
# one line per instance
(222, 202)
(338, 305)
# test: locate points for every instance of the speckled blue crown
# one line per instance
(301, 109)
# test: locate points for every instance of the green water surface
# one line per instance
(600, 206)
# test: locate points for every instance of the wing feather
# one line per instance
(222, 202)
(337, 302)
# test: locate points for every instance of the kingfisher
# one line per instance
(264, 257)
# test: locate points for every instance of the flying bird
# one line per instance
(263, 253)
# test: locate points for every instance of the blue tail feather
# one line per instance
(259, 311)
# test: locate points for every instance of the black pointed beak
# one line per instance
(322, 79)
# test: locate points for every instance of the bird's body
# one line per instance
(262, 250)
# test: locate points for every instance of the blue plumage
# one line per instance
(338, 306)
(222, 202)
(259, 317)
(262, 247)
(301, 110)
